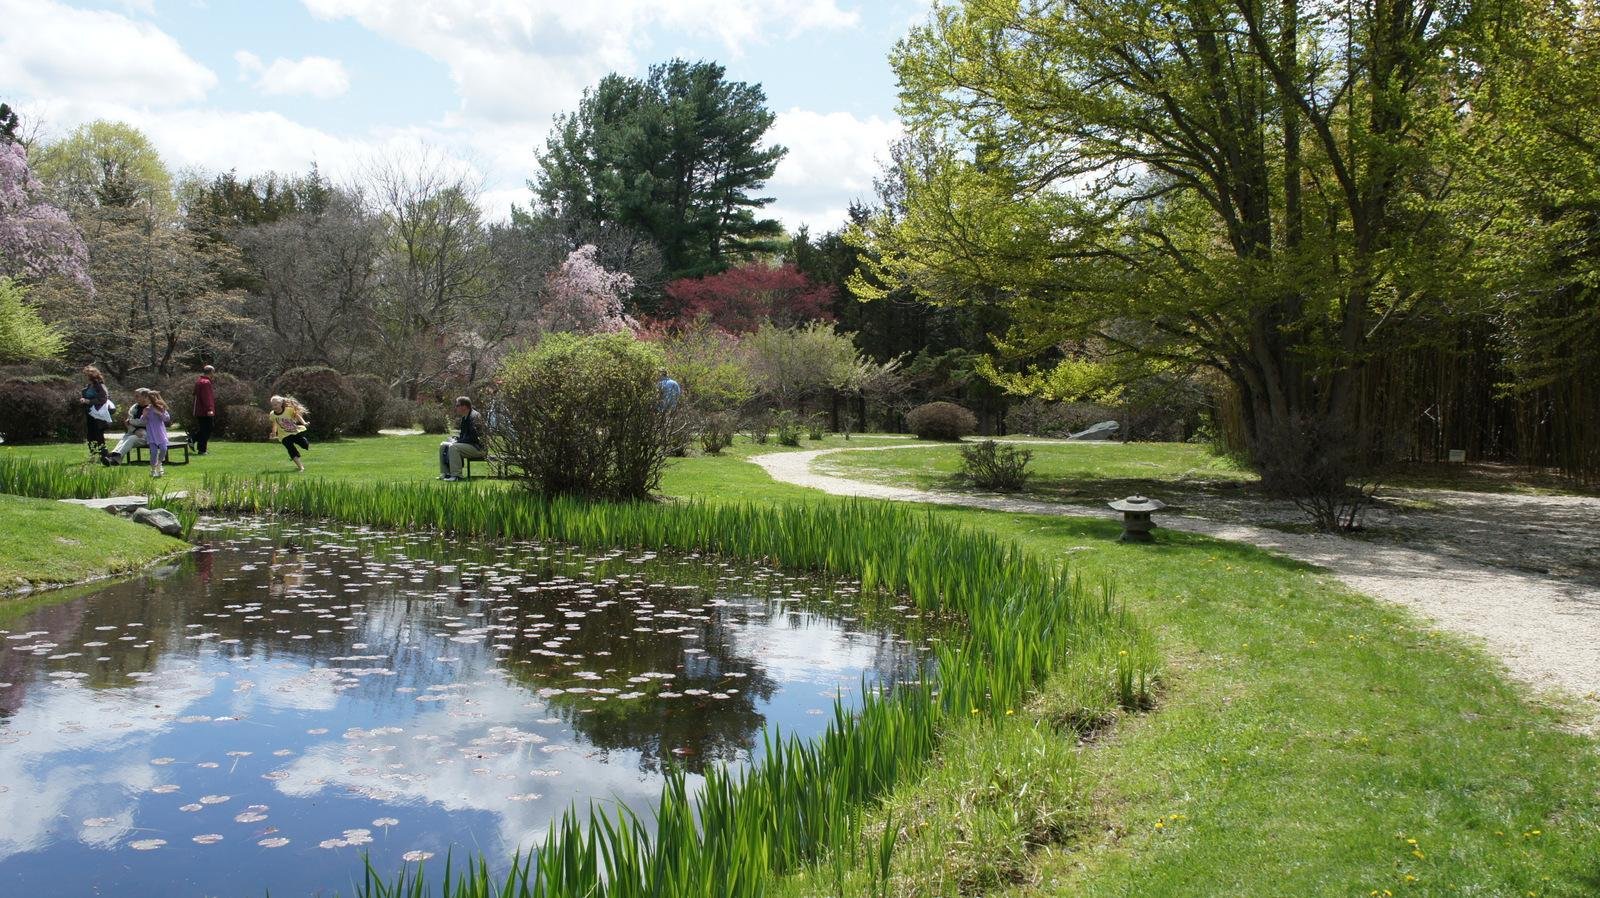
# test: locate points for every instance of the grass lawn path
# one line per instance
(1545, 630)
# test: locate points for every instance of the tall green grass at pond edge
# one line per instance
(1024, 620)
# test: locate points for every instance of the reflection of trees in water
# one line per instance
(704, 729)
(401, 624)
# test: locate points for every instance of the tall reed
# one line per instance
(1023, 618)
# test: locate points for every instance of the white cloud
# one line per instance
(315, 76)
(48, 49)
(528, 59)
(833, 157)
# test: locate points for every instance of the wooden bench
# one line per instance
(181, 441)
(493, 461)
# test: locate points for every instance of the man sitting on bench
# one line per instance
(468, 442)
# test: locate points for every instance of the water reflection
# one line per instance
(292, 698)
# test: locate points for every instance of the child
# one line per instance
(156, 419)
(289, 427)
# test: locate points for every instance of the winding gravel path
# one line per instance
(1545, 627)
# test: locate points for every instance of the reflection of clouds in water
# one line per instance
(46, 789)
(282, 687)
(464, 757)
(807, 651)
(354, 643)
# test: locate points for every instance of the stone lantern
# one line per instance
(1136, 523)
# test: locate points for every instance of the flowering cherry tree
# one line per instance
(36, 238)
(582, 296)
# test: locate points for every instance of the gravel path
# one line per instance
(1543, 623)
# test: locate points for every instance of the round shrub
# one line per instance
(399, 414)
(331, 404)
(40, 409)
(583, 416)
(230, 392)
(941, 421)
(243, 423)
(374, 393)
(431, 417)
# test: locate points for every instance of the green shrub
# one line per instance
(583, 417)
(716, 432)
(941, 421)
(243, 423)
(431, 417)
(760, 428)
(230, 392)
(788, 427)
(332, 405)
(40, 409)
(374, 394)
(991, 466)
(817, 427)
(400, 414)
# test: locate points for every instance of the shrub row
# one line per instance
(39, 404)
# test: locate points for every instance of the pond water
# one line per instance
(289, 699)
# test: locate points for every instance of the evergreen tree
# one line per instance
(676, 156)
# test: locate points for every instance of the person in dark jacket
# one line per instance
(205, 409)
(97, 409)
(468, 441)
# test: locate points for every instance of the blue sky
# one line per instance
(255, 85)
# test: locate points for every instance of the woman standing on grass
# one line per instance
(289, 422)
(97, 409)
(156, 419)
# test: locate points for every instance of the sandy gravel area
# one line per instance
(1521, 573)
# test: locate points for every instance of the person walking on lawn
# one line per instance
(156, 419)
(467, 443)
(205, 409)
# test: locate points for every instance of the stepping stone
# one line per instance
(113, 504)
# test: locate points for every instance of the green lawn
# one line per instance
(1070, 473)
(1304, 738)
(44, 543)
(1306, 735)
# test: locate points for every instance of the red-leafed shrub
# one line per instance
(740, 299)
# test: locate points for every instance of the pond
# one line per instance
(293, 698)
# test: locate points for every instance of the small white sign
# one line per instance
(1458, 455)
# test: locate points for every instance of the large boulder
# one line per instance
(161, 519)
(1105, 430)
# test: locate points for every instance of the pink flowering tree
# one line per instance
(582, 296)
(36, 238)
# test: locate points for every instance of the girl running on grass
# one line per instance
(289, 422)
(156, 419)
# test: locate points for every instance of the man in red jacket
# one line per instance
(205, 409)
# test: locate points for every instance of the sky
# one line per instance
(275, 85)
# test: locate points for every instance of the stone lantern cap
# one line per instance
(1138, 503)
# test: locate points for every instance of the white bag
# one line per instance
(103, 411)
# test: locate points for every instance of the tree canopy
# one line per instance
(1252, 188)
(676, 155)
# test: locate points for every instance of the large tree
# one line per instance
(1248, 186)
(676, 155)
(159, 299)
